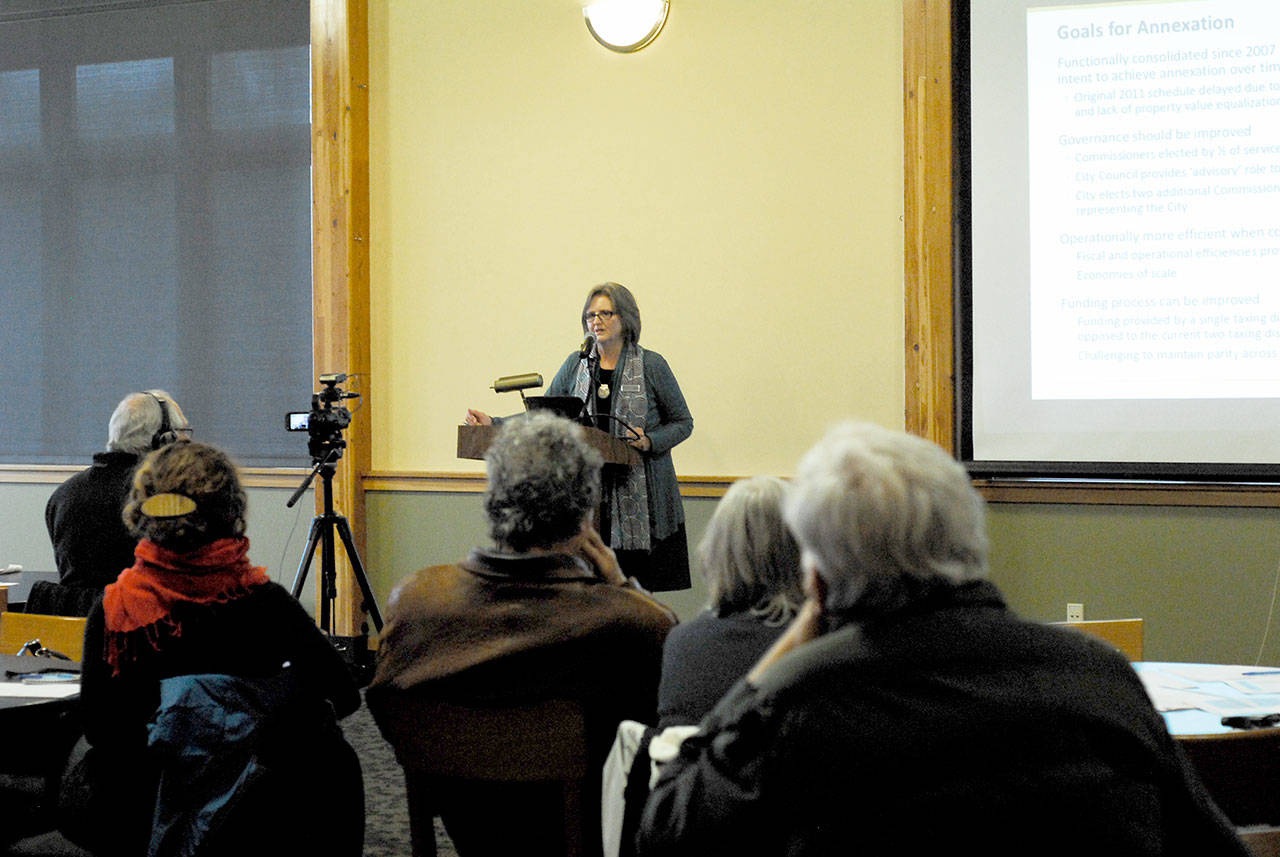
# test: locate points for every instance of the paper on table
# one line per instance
(1256, 684)
(1172, 699)
(39, 691)
(1169, 692)
(1239, 705)
(1216, 689)
(1168, 681)
(1201, 673)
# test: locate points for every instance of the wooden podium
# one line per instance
(473, 442)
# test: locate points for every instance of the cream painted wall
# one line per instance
(742, 175)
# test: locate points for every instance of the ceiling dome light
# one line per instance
(625, 25)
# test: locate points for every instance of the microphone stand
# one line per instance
(620, 421)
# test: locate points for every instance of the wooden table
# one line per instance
(1239, 767)
(39, 730)
(1222, 689)
(44, 699)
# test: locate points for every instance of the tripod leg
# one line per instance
(313, 540)
(357, 567)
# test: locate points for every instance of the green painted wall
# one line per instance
(409, 531)
(1202, 580)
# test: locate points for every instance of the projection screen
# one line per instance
(1118, 176)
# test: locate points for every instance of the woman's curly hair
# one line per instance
(544, 479)
(196, 470)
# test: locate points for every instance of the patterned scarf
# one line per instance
(138, 607)
(629, 503)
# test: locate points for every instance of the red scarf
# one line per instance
(139, 605)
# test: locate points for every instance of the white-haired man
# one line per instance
(908, 711)
(91, 544)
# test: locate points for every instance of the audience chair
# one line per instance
(58, 600)
(479, 769)
(63, 634)
(1123, 634)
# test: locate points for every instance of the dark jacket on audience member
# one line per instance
(248, 637)
(947, 726)
(703, 658)
(91, 544)
(248, 765)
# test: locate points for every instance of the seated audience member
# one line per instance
(906, 710)
(752, 569)
(544, 614)
(192, 605)
(91, 544)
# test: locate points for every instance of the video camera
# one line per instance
(326, 419)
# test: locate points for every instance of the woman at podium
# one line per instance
(630, 392)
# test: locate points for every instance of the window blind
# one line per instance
(155, 221)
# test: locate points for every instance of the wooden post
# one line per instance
(340, 234)
(930, 359)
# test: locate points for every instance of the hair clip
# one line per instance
(168, 506)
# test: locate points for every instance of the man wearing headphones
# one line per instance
(90, 542)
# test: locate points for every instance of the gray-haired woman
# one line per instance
(751, 564)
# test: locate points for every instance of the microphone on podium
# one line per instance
(584, 350)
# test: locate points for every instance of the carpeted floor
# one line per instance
(386, 829)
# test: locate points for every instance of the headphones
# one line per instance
(165, 434)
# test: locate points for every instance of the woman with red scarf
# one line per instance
(191, 604)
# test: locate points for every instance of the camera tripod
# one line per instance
(322, 529)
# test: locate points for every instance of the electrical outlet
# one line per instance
(1075, 612)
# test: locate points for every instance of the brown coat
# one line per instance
(506, 628)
